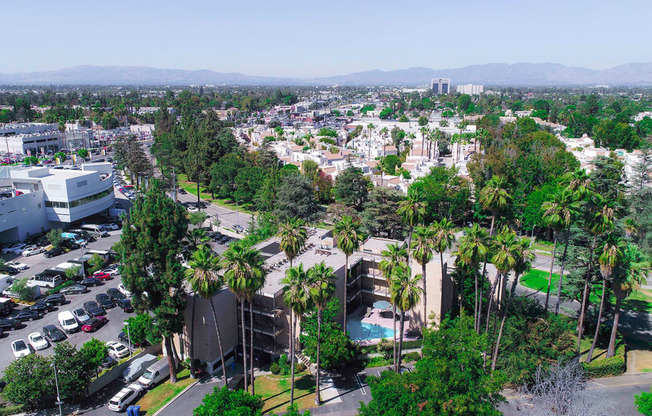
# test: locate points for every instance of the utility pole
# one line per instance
(56, 381)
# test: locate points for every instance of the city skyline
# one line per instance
(292, 39)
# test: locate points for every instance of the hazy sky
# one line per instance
(309, 38)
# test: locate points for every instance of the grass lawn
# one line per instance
(191, 188)
(543, 246)
(639, 300)
(275, 391)
(163, 393)
(585, 345)
(378, 362)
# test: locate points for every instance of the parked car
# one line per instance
(53, 333)
(20, 348)
(125, 305)
(124, 290)
(68, 322)
(117, 350)
(10, 324)
(16, 265)
(14, 249)
(238, 228)
(75, 289)
(112, 270)
(37, 341)
(125, 340)
(104, 301)
(108, 363)
(91, 281)
(56, 299)
(42, 306)
(93, 308)
(110, 226)
(81, 315)
(94, 324)
(114, 294)
(28, 315)
(32, 250)
(155, 373)
(125, 397)
(101, 276)
(53, 252)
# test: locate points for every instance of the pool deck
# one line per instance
(375, 318)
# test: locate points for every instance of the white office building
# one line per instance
(470, 89)
(440, 85)
(30, 138)
(37, 199)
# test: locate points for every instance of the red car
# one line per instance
(94, 324)
(102, 275)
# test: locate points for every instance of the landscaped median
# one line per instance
(164, 392)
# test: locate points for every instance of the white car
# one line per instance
(37, 341)
(17, 266)
(68, 322)
(110, 226)
(32, 250)
(81, 315)
(112, 270)
(15, 249)
(124, 290)
(125, 397)
(117, 349)
(20, 348)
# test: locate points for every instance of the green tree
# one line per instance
(423, 121)
(94, 352)
(296, 298)
(54, 237)
(351, 188)
(230, 403)
(472, 250)
(321, 290)
(142, 329)
(206, 282)
(149, 248)
(73, 371)
(296, 199)
(293, 237)
(394, 256)
(30, 381)
(83, 153)
(197, 237)
(379, 217)
(22, 290)
(503, 249)
(61, 156)
(422, 247)
(405, 293)
(450, 379)
(643, 403)
(412, 210)
(197, 218)
(347, 234)
(495, 198)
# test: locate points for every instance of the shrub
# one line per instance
(284, 364)
(11, 410)
(411, 356)
(643, 403)
(275, 368)
(327, 140)
(299, 367)
(386, 348)
(607, 367)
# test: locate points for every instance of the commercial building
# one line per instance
(271, 317)
(440, 85)
(470, 89)
(30, 138)
(37, 199)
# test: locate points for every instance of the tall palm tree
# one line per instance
(293, 236)
(347, 232)
(473, 249)
(205, 282)
(601, 219)
(495, 198)
(296, 298)
(412, 209)
(524, 256)
(197, 237)
(370, 128)
(422, 247)
(406, 294)
(631, 274)
(384, 133)
(611, 253)
(504, 259)
(444, 238)
(242, 269)
(393, 257)
(559, 212)
(425, 131)
(321, 284)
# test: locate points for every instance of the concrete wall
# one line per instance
(111, 375)
(21, 216)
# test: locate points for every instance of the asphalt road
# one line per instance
(227, 217)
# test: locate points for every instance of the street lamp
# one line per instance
(56, 381)
(128, 337)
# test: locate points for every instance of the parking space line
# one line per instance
(362, 389)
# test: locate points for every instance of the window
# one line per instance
(78, 202)
(82, 183)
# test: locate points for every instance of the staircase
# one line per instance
(305, 360)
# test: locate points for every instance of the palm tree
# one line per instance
(203, 279)
(503, 258)
(384, 132)
(243, 267)
(422, 247)
(293, 237)
(444, 238)
(412, 210)
(197, 237)
(405, 294)
(321, 284)
(601, 215)
(295, 297)
(393, 257)
(370, 128)
(473, 249)
(559, 212)
(425, 131)
(347, 233)
(495, 198)
(524, 256)
(631, 273)
(611, 253)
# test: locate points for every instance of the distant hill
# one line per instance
(520, 74)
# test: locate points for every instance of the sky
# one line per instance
(289, 38)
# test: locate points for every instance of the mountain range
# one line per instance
(519, 74)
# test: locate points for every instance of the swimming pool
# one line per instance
(362, 331)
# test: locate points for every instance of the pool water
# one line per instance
(363, 331)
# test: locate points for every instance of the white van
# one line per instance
(137, 367)
(95, 230)
(155, 373)
(68, 322)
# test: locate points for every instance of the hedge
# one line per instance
(607, 367)
(11, 410)
(411, 356)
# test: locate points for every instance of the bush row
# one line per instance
(607, 367)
